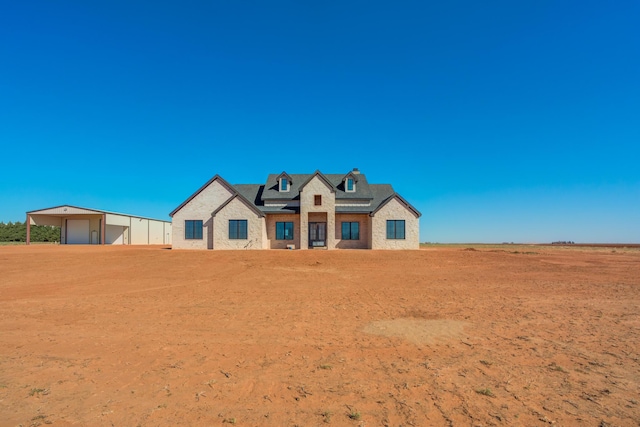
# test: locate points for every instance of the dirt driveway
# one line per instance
(127, 336)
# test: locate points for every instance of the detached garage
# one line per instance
(83, 226)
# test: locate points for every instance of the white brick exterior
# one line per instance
(199, 208)
(394, 210)
(218, 202)
(237, 209)
(307, 208)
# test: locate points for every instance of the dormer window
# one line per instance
(284, 184)
(351, 187)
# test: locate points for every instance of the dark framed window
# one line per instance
(193, 229)
(349, 184)
(237, 229)
(350, 231)
(317, 200)
(284, 230)
(395, 229)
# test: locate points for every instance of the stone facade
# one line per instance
(316, 187)
(236, 209)
(394, 210)
(310, 198)
(199, 207)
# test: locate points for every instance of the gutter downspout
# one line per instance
(28, 229)
(103, 227)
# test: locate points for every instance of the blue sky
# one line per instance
(500, 121)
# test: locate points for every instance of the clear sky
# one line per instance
(499, 120)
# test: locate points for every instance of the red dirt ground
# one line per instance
(127, 336)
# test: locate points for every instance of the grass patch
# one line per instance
(229, 421)
(38, 391)
(354, 415)
(485, 392)
(325, 367)
(486, 362)
(326, 416)
(557, 368)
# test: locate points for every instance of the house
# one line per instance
(87, 226)
(301, 211)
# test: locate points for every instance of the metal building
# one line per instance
(85, 226)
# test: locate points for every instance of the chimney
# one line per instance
(356, 171)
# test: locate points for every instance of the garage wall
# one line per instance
(45, 220)
(120, 229)
(156, 233)
(114, 219)
(167, 233)
(139, 231)
(114, 234)
(94, 224)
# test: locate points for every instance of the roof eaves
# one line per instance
(243, 200)
(68, 206)
(408, 205)
(97, 211)
(216, 177)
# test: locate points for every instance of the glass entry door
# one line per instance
(317, 234)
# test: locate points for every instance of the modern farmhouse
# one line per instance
(297, 211)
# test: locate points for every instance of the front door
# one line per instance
(317, 234)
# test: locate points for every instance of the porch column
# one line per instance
(103, 227)
(28, 229)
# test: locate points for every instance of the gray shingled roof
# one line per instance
(271, 187)
(377, 194)
(253, 193)
(380, 193)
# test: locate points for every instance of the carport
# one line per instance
(84, 226)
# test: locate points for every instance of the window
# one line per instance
(395, 229)
(284, 184)
(350, 184)
(317, 200)
(284, 230)
(192, 229)
(350, 231)
(237, 229)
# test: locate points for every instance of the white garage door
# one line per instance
(114, 235)
(78, 231)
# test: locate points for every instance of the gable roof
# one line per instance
(244, 200)
(199, 190)
(373, 196)
(63, 210)
(286, 175)
(355, 176)
(402, 201)
(323, 178)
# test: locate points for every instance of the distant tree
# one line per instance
(17, 232)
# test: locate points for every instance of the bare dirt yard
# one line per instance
(483, 336)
